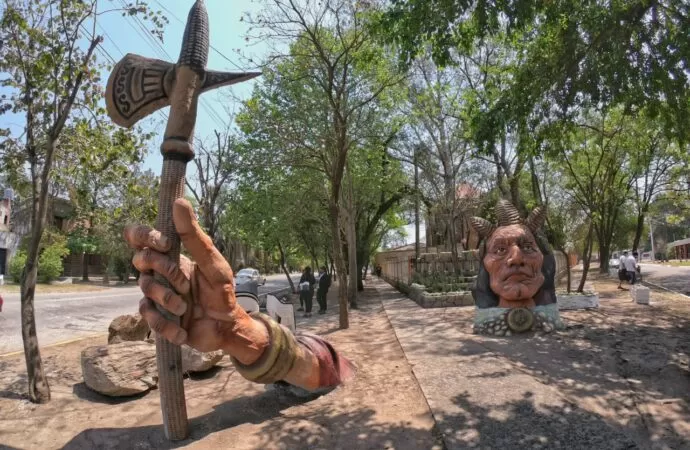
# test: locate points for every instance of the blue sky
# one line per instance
(122, 35)
(125, 35)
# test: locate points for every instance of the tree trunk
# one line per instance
(360, 278)
(586, 258)
(352, 261)
(340, 265)
(604, 251)
(39, 390)
(84, 267)
(106, 272)
(638, 232)
(284, 267)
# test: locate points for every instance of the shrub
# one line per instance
(17, 264)
(50, 262)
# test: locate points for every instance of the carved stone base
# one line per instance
(509, 321)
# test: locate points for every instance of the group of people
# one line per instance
(307, 283)
(627, 269)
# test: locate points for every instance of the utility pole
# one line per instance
(651, 237)
(416, 210)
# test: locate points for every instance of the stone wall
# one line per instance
(439, 300)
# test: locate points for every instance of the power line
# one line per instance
(162, 53)
(210, 45)
(112, 60)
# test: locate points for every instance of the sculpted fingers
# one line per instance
(146, 260)
(207, 257)
(140, 236)
(164, 296)
(172, 332)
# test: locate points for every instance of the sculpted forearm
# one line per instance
(269, 352)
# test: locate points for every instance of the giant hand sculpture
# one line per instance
(261, 350)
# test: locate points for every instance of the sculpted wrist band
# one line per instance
(277, 359)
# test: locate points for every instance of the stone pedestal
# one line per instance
(640, 294)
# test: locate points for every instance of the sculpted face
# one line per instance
(513, 261)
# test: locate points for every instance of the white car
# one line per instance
(249, 274)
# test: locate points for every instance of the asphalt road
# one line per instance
(65, 316)
(673, 278)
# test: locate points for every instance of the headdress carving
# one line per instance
(507, 214)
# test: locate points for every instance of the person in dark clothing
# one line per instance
(306, 291)
(324, 284)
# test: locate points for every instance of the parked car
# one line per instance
(249, 274)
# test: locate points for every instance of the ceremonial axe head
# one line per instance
(138, 86)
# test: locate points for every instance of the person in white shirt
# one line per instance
(631, 267)
(622, 272)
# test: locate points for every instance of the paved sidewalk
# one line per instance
(569, 390)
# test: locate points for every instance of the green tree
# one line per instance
(596, 156)
(95, 163)
(216, 162)
(318, 96)
(630, 53)
(48, 54)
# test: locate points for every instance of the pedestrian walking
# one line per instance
(622, 272)
(322, 292)
(631, 267)
(1, 302)
(306, 291)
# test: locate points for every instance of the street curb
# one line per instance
(69, 341)
(657, 286)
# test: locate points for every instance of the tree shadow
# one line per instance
(321, 427)
(625, 359)
(523, 424)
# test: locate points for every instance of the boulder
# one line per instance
(129, 368)
(196, 361)
(127, 328)
(118, 370)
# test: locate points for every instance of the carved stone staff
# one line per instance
(137, 87)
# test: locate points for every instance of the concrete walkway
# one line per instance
(560, 391)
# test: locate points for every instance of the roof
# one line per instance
(680, 242)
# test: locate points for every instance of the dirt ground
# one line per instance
(627, 364)
(648, 347)
(383, 408)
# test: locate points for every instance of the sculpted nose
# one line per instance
(515, 256)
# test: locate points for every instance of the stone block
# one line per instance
(641, 294)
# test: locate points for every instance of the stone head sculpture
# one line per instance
(515, 287)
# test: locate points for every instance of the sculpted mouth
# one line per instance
(519, 276)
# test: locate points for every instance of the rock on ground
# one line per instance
(127, 328)
(118, 370)
(196, 361)
(129, 368)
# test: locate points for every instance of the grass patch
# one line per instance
(13, 288)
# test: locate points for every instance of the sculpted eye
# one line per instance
(500, 250)
(528, 247)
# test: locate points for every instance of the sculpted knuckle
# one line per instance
(141, 234)
(145, 284)
(143, 307)
(158, 324)
(168, 297)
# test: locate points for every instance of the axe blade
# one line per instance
(216, 79)
(137, 87)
